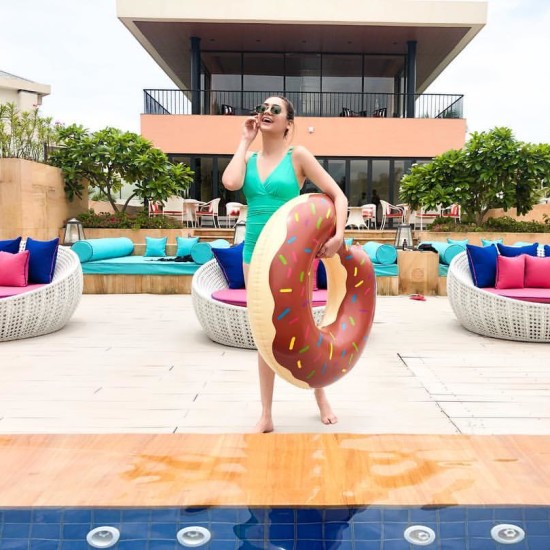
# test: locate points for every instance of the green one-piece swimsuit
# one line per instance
(265, 197)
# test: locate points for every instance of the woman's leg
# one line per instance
(327, 416)
(267, 381)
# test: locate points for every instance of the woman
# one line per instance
(268, 179)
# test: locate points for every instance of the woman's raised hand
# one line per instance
(250, 128)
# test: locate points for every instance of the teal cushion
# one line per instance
(462, 242)
(185, 244)
(489, 242)
(202, 252)
(42, 260)
(380, 253)
(446, 251)
(155, 247)
(102, 249)
(349, 241)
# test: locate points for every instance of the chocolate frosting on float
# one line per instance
(318, 356)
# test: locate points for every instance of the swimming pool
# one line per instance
(249, 528)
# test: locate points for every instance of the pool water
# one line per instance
(235, 528)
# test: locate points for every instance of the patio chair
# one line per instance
(208, 210)
(488, 314)
(190, 212)
(232, 211)
(173, 207)
(355, 218)
(224, 323)
(390, 212)
(368, 212)
(47, 308)
(154, 209)
(452, 212)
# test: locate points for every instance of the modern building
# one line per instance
(26, 94)
(355, 70)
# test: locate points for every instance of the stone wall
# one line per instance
(32, 200)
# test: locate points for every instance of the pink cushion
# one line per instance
(540, 295)
(237, 297)
(510, 271)
(14, 268)
(7, 291)
(537, 272)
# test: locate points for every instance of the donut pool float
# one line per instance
(279, 290)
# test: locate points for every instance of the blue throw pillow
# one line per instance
(512, 251)
(185, 244)
(483, 264)
(321, 276)
(11, 246)
(547, 250)
(230, 261)
(43, 255)
(489, 242)
(155, 247)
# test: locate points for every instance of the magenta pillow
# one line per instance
(14, 268)
(510, 271)
(537, 272)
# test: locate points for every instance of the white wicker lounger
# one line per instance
(45, 309)
(224, 323)
(492, 315)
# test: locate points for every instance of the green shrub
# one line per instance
(123, 220)
(504, 224)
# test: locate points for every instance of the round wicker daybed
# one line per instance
(224, 323)
(491, 315)
(45, 309)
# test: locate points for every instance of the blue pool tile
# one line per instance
(310, 545)
(310, 531)
(339, 514)
(250, 531)
(136, 530)
(165, 514)
(281, 531)
(531, 513)
(282, 544)
(43, 545)
(221, 545)
(452, 530)
(16, 530)
(106, 516)
(75, 531)
(538, 528)
(337, 531)
(367, 531)
(258, 515)
(47, 515)
(281, 515)
(481, 544)
(422, 515)
(395, 530)
(539, 543)
(224, 515)
(135, 515)
(309, 516)
(508, 514)
(77, 516)
(339, 545)
(133, 545)
(391, 515)
(46, 531)
(223, 531)
(194, 514)
(452, 513)
(398, 545)
(164, 530)
(74, 545)
(479, 513)
(368, 515)
(17, 516)
(480, 528)
(163, 545)
(14, 544)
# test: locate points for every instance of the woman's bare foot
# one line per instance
(327, 415)
(264, 426)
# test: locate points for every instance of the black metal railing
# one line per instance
(323, 104)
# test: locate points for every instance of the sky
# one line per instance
(97, 70)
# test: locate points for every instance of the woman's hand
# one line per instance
(250, 128)
(330, 247)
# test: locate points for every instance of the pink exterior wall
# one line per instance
(351, 137)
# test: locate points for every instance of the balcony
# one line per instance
(310, 104)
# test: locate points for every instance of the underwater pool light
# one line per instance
(505, 533)
(103, 537)
(193, 536)
(419, 535)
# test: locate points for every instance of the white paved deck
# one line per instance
(140, 363)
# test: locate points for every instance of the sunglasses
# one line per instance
(274, 109)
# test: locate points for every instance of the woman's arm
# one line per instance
(233, 175)
(313, 171)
